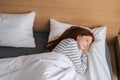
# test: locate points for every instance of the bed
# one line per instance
(84, 13)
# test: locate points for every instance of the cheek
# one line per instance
(80, 44)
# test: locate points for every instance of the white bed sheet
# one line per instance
(47, 66)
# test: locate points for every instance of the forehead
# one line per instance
(85, 36)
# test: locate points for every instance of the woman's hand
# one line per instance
(87, 49)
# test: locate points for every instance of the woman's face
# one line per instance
(84, 42)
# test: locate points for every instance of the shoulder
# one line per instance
(69, 41)
(65, 44)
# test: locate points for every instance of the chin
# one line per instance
(82, 49)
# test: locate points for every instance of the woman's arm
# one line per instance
(69, 48)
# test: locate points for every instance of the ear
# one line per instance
(78, 37)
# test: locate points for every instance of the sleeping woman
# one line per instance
(74, 44)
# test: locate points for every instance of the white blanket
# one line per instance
(45, 66)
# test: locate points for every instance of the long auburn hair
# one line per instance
(71, 32)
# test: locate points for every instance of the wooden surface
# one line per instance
(80, 12)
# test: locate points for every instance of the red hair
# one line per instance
(71, 32)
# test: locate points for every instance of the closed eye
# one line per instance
(87, 40)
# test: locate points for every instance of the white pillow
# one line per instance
(97, 58)
(98, 66)
(16, 30)
(57, 28)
